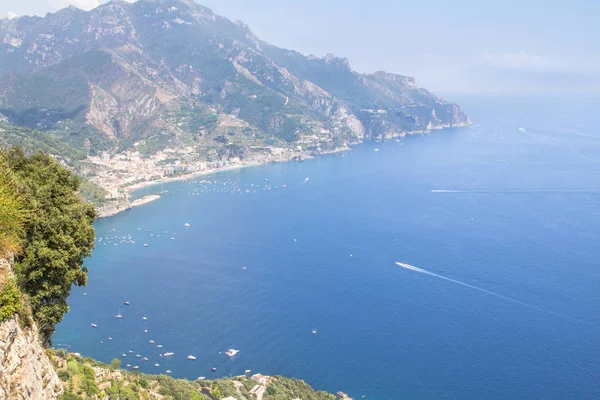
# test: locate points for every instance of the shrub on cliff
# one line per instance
(58, 236)
(10, 300)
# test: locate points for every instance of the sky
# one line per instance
(447, 45)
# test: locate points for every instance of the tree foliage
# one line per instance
(10, 300)
(59, 236)
(12, 212)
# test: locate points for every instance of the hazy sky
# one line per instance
(447, 45)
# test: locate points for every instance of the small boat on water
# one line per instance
(119, 316)
(93, 325)
(136, 367)
(145, 245)
(157, 365)
(232, 352)
(85, 294)
(247, 371)
(109, 338)
(191, 358)
(159, 346)
(168, 354)
(145, 358)
(201, 378)
(314, 331)
(124, 355)
(126, 303)
(151, 342)
(168, 371)
(144, 318)
(186, 225)
(138, 356)
(213, 369)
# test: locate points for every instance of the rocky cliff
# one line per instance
(25, 369)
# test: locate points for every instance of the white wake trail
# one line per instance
(424, 271)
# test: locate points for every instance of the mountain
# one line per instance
(159, 74)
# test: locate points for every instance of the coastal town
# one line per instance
(122, 173)
(131, 169)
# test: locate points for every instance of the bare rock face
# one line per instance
(25, 369)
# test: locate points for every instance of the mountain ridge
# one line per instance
(177, 52)
(158, 86)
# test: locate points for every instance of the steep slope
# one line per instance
(25, 370)
(173, 72)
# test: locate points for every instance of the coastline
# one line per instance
(125, 203)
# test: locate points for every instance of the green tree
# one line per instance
(59, 236)
(115, 364)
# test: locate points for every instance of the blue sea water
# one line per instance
(520, 218)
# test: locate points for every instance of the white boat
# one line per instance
(124, 355)
(93, 325)
(144, 318)
(159, 346)
(232, 352)
(145, 245)
(168, 354)
(157, 365)
(138, 356)
(126, 303)
(191, 357)
(247, 371)
(119, 316)
(145, 358)
(168, 371)
(151, 342)
(186, 225)
(314, 331)
(109, 338)
(136, 367)
(201, 378)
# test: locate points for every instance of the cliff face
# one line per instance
(25, 369)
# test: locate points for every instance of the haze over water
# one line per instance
(512, 211)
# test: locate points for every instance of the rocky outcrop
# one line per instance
(25, 369)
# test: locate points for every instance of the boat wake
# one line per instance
(516, 191)
(425, 272)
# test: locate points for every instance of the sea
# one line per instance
(499, 224)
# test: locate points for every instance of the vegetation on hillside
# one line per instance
(85, 378)
(12, 212)
(58, 236)
(13, 217)
(32, 141)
